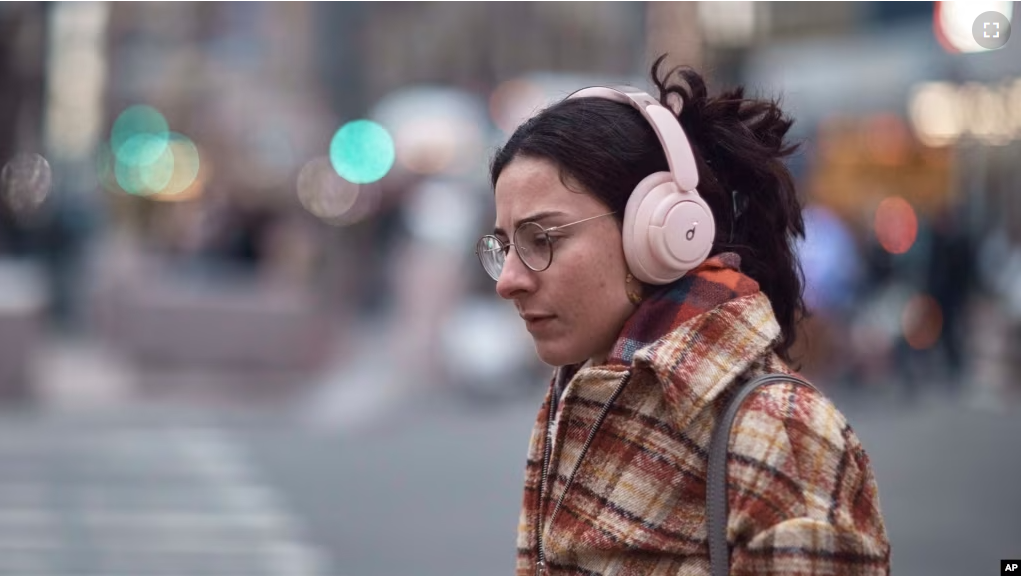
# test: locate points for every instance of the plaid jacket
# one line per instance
(801, 493)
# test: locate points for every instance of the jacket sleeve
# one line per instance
(801, 492)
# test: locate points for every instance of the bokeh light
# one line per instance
(986, 113)
(922, 321)
(135, 121)
(953, 23)
(25, 183)
(888, 139)
(145, 158)
(143, 149)
(144, 164)
(427, 146)
(1013, 98)
(182, 180)
(362, 151)
(143, 172)
(942, 112)
(322, 192)
(935, 113)
(514, 102)
(367, 204)
(437, 130)
(895, 225)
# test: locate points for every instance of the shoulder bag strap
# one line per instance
(716, 473)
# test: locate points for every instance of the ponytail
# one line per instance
(740, 148)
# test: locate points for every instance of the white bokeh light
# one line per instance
(322, 192)
(955, 20)
(437, 130)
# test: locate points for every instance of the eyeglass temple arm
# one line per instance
(580, 221)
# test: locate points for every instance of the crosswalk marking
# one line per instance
(144, 502)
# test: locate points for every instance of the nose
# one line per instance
(515, 277)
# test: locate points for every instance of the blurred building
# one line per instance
(885, 104)
(890, 112)
(22, 57)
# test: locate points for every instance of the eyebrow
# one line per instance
(498, 231)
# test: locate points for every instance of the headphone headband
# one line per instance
(668, 130)
(667, 228)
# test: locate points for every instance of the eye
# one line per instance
(542, 240)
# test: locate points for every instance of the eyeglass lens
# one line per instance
(531, 242)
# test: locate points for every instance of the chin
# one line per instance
(558, 355)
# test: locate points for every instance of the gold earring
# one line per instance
(634, 298)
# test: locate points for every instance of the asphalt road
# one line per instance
(426, 486)
(436, 490)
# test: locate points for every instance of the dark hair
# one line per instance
(739, 145)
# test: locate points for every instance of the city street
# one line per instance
(428, 486)
(436, 490)
(255, 312)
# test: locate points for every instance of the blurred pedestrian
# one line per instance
(656, 303)
(949, 278)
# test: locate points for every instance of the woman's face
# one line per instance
(575, 308)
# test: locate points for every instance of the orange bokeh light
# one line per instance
(896, 225)
(922, 321)
(888, 140)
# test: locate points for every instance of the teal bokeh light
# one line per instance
(144, 157)
(143, 149)
(171, 171)
(136, 121)
(129, 178)
(362, 152)
(157, 174)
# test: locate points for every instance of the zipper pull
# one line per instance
(541, 568)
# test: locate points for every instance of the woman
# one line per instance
(645, 367)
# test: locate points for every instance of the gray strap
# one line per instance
(716, 473)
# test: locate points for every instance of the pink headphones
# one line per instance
(668, 228)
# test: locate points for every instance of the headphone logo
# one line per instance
(691, 232)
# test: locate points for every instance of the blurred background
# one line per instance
(243, 331)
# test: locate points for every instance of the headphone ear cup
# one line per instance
(666, 232)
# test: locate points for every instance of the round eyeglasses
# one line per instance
(532, 243)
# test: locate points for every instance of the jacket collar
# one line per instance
(698, 334)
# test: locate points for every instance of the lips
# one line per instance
(535, 321)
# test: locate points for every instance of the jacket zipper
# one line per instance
(541, 563)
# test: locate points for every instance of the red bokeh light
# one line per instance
(896, 225)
